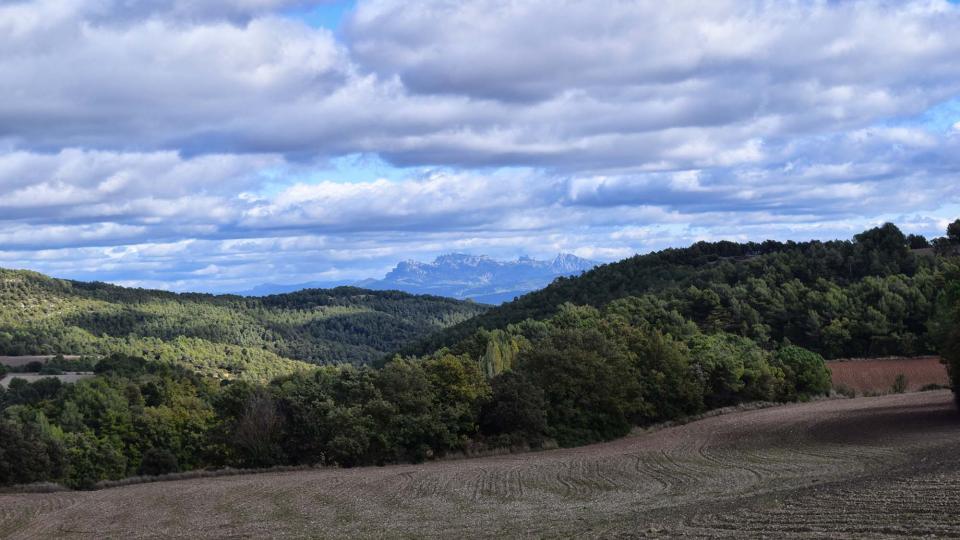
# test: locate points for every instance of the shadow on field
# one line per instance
(887, 424)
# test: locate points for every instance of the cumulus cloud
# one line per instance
(106, 11)
(81, 186)
(440, 201)
(533, 83)
(798, 63)
(185, 143)
(165, 196)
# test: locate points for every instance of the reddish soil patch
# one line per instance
(877, 375)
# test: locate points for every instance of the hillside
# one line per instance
(224, 336)
(871, 295)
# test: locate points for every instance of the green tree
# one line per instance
(28, 455)
(591, 389)
(157, 461)
(258, 430)
(806, 374)
(92, 459)
(946, 327)
(669, 384)
(516, 411)
(917, 241)
(953, 232)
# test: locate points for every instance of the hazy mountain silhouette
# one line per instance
(457, 275)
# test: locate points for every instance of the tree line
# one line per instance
(873, 295)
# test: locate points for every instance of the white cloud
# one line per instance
(488, 82)
(25, 14)
(439, 201)
(182, 141)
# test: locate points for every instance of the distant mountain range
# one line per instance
(474, 277)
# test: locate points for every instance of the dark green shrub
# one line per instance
(805, 372)
(91, 459)
(591, 390)
(32, 367)
(157, 461)
(28, 455)
(517, 409)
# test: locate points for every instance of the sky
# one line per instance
(217, 145)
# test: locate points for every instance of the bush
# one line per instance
(517, 411)
(733, 370)
(31, 367)
(805, 372)
(845, 391)
(899, 384)
(157, 461)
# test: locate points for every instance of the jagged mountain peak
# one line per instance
(480, 277)
(568, 262)
(452, 259)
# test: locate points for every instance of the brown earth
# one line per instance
(855, 468)
(17, 361)
(877, 375)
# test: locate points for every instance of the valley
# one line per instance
(226, 337)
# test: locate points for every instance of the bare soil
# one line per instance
(876, 467)
(878, 374)
(17, 361)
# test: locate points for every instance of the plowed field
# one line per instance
(865, 468)
(879, 374)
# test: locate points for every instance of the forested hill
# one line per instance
(872, 295)
(224, 336)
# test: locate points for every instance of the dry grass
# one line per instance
(877, 375)
(866, 467)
